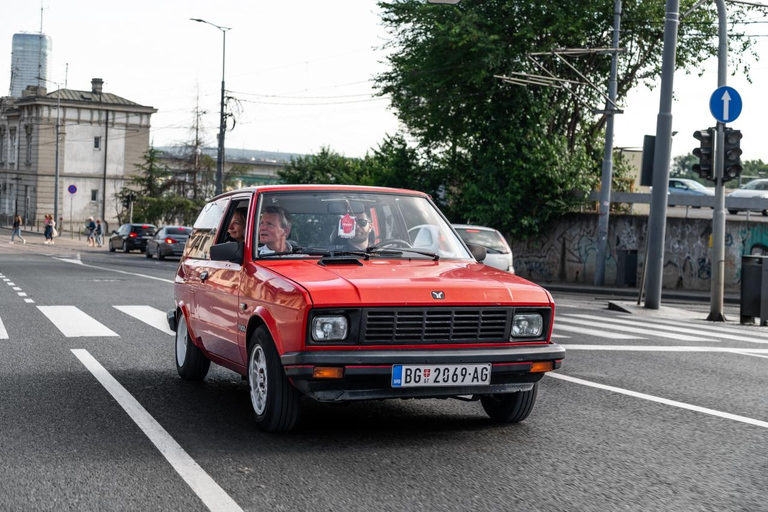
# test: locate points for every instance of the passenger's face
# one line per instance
(237, 227)
(270, 230)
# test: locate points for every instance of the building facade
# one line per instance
(30, 62)
(101, 138)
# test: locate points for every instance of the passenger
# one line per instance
(236, 230)
(274, 228)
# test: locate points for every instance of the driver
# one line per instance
(363, 227)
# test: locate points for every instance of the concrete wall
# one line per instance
(567, 252)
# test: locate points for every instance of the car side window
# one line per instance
(205, 229)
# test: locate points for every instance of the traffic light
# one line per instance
(732, 155)
(704, 168)
(127, 202)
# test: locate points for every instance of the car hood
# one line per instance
(408, 283)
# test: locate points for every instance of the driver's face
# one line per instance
(362, 229)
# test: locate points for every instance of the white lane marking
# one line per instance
(711, 326)
(70, 260)
(10, 283)
(594, 332)
(74, 323)
(29, 300)
(212, 495)
(637, 330)
(22, 294)
(16, 288)
(665, 401)
(660, 348)
(148, 315)
(118, 271)
(3, 332)
(748, 353)
(704, 331)
(560, 336)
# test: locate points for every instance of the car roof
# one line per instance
(472, 226)
(328, 188)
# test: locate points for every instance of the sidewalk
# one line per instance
(62, 244)
(631, 294)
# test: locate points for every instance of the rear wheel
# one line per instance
(160, 255)
(125, 247)
(148, 254)
(765, 213)
(274, 400)
(511, 407)
(733, 212)
(190, 361)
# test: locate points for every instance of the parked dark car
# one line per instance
(130, 237)
(168, 241)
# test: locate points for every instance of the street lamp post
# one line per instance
(223, 117)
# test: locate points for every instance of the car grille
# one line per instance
(436, 325)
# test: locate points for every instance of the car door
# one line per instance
(220, 322)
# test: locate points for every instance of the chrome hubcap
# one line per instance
(181, 341)
(257, 376)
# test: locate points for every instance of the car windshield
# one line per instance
(354, 223)
(756, 185)
(486, 238)
(143, 230)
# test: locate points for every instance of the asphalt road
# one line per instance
(647, 413)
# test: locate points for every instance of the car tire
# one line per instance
(765, 213)
(274, 400)
(191, 363)
(160, 255)
(111, 249)
(733, 212)
(510, 407)
(148, 255)
(125, 247)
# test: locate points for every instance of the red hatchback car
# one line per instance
(330, 292)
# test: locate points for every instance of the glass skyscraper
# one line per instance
(30, 59)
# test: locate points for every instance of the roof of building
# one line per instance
(91, 97)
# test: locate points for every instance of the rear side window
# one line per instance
(488, 239)
(204, 230)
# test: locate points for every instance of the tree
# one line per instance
(324, 167)
(516, 157)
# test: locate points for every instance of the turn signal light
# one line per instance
(542, 366)
(327, 372)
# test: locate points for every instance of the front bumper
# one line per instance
(368, 374)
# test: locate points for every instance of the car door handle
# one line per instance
(203, 275)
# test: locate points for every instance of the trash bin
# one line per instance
(754, 289)
(626, 267)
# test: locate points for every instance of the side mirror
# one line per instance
(228, 251)
(114, 232)
(478, 251)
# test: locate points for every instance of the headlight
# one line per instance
(527, 325)
(327, 328)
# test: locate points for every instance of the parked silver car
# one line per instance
(499, 255)
(755, 188)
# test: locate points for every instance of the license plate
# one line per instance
(440, 375)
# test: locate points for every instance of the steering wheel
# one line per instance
(393, 242)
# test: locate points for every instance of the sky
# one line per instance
(301, 71)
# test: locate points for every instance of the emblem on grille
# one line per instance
(438, 295)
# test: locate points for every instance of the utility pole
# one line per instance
(718, 217)
(657, 221)
(604, 208)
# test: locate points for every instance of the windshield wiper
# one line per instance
(400, 250)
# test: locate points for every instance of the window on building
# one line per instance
(95, 195)
(28, 151)
(12, 147)
(97, 143)
(2, 145)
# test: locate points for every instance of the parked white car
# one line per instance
(498, 253)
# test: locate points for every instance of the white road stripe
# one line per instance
(10, 283)
(560, 336)
(704, 331)
(118, 271)
(594, 332)
(16, 289)
(74, 323)
(748, 353)
(22, 294)
(665, 401)
(212, 495)
(721, 327)
(29, 300)
(660, 348)
(3, 332)
(637, 330)
(148, 315)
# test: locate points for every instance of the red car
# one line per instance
(320, 292)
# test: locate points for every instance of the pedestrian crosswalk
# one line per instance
(74, 322)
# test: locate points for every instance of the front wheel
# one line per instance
(148, 255)
(274, 400)
(733, 212)
(190, 361)
(511, 407)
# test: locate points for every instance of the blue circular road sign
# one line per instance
(71, 189)
(725, 104)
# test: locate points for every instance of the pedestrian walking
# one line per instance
(98, 233)
(91, 228)
(49, 224)
(16, 230)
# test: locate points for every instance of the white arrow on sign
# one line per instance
(726, 100)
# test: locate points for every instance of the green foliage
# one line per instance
(508, 156)
(326, 167)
